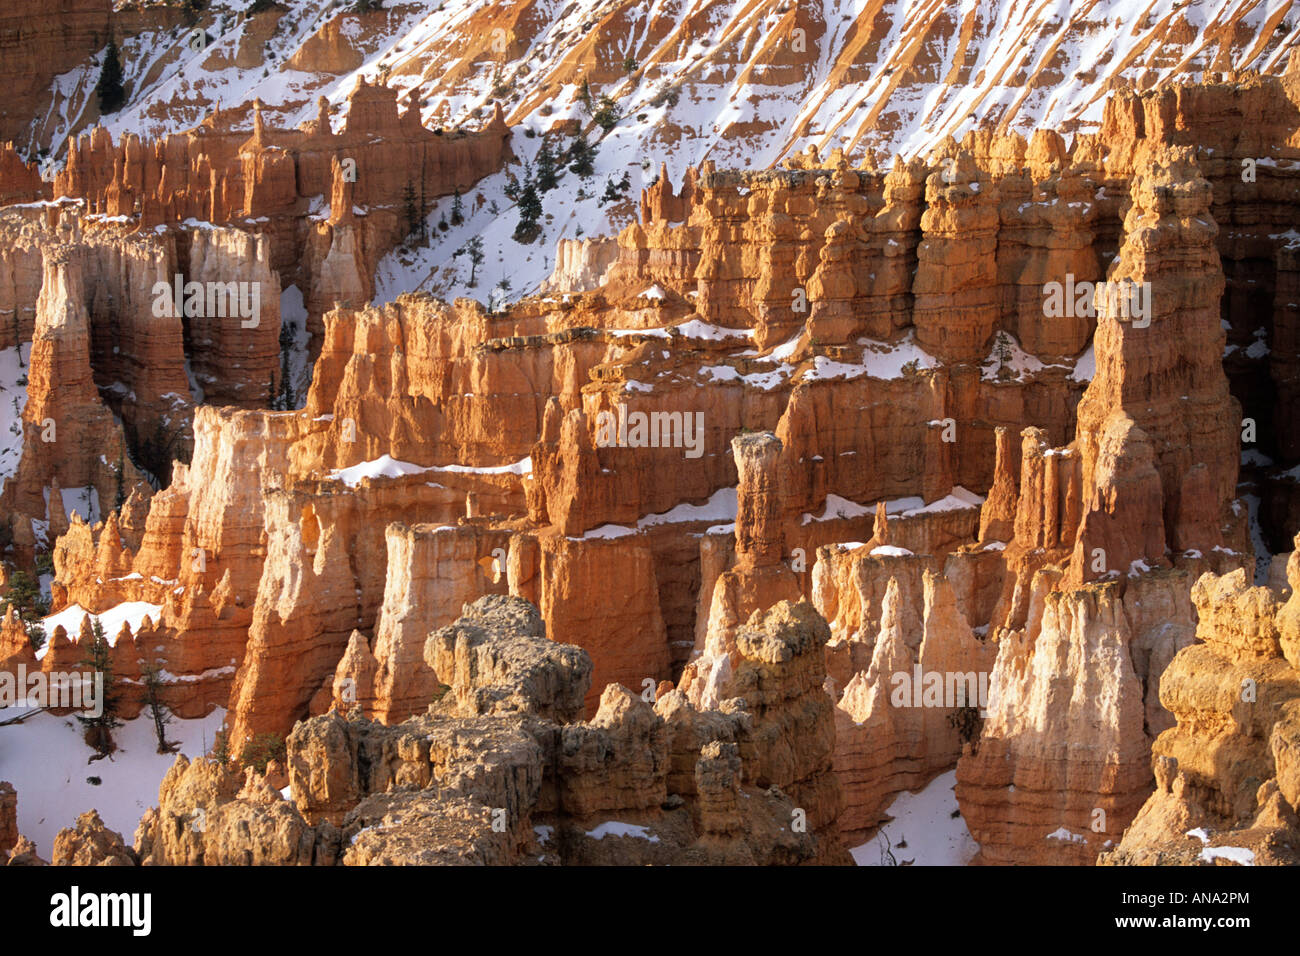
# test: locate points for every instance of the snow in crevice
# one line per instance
(14, 366)
(293, 319)
(925, 829)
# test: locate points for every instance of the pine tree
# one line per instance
(44, 565)
(474, 248)
(24, 596)
(161, 715)
(530, 204)
(260, 749)
(584, 94)
(457, 210)
(968, 724)
(119, 472)
(221, 748)
(285, 397)
(614, 191)
(111, 93)
(1003, 351)
(610, 194)
(497, 300)
(98, 658)
(411, 214)
(546, 180)
(530, 210)
(582, 157)
(424, 213)
(607, 116)
(36, 634)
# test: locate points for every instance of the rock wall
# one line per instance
(1226, 783)
(500, 772)
(8, 817)
(860, 347)
(40, 41)
(1062, 765)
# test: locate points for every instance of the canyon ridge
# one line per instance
(691, 433)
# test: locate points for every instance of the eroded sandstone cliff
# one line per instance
(847, 381)
(503, 770)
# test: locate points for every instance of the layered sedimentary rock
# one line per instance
(1062, 764)
(759, 578)
(499, 771)
(895, 717)
(417, 382)
(68, 434)
(42, 40)
(1241, 127)
(221, 171)
(956, 280)
(1159, 347)
(19, 181)
(8, 817)
(580, 264)
(998, 513)
(432, 574)
(893, 424)
(236, 350)
(275, 182)
(15, 646)
(605, 592)
(1226, 773)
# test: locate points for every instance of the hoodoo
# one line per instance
(603, 434)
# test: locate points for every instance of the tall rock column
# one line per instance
(433, 572)
(956, 287)
(892, 733)
(235, 351)
(998, 514)
(1159, 348)
(1063, 764)
(759, 579)
(308, 604)
(67, 431)
(1122, 522)
(779, 675)
(759, 536)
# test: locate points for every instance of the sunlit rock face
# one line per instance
(780, 459)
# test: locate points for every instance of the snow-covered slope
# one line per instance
(751, 87)
(742, 83)
(50, 765)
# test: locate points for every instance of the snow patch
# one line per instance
(925, 821)
(47, 761)
(1233, 854)
(128, 612)
(614, 828)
